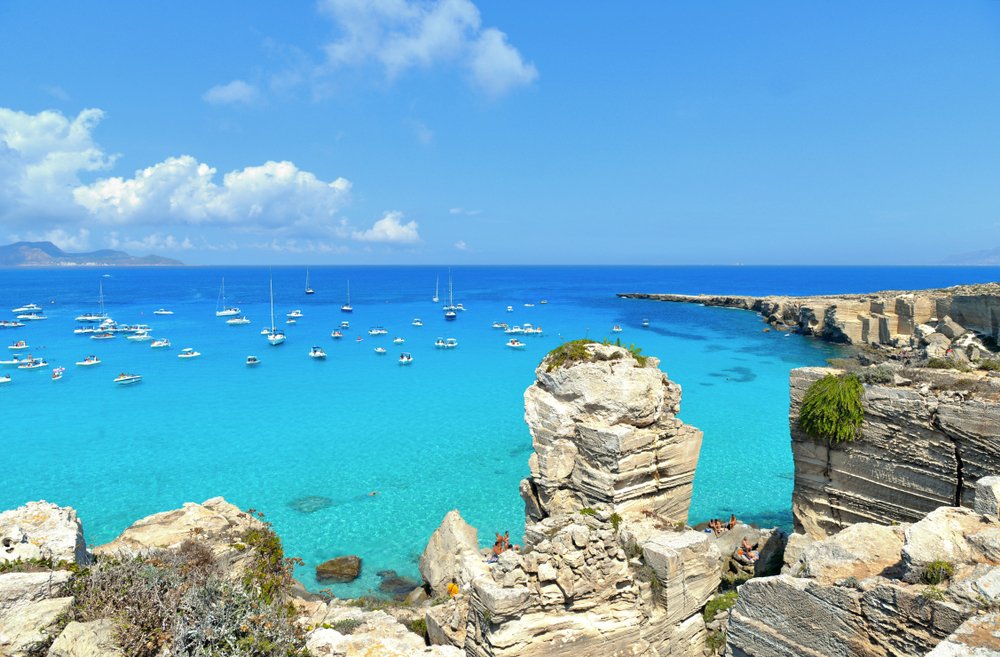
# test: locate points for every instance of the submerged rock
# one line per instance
(339, 570)
(396, 586)
(310, 503)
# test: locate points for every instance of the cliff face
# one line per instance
(920, 448)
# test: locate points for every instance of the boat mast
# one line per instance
(348, 292)
(451, 299)
(270, 282)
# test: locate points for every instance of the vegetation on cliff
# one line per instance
(575, 351)
(832, 408)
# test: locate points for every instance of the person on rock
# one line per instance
(746, 552)
(452, 588)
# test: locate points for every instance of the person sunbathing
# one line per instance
(746, 552)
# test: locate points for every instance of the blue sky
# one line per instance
(461, 131)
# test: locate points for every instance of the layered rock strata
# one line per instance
(910, 589)
(932, 320)
(921, 447)
(608, 566)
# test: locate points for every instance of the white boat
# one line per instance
(309, 290)
(95, 318)
(437, 284)
(30, 308)
(345, 324)
(616, 329)
(347, 307)
(20, 344)
(238, 321)
(141, 336)
(440, 343)
(57, 373)
(265, 331)
(417, 322)
(543, 301)
(274, 336)
(510, 309)
(316, 352)
(252, 361)
(85, 330)
(32, 317)
(163, 311)
(378, 330)
(449, 310)
(398, 340)
(336, 335)
(221, 309)
(188, 352)
(529, 305)
(13, 362)
(450, 343)
(126, 379)
(33, 364)
(290, 321)
(645, 323)
(9, 323)
(514, 343)
(5, 378)
(405, 358)
(380, 350)
(104, 335)
(513, 330)
(295, 314)
(459, 306)
(162, 343)
(89, 361)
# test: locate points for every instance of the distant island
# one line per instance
(47, 254)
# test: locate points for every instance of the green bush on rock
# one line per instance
(832, 410)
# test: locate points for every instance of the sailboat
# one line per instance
(95, 317)
(347, 306)
(309, 290)
(437, 283)
(221, 303)
(274, 337)
(449, 310)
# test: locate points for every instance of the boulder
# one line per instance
(30, 603)
(396, 586)
(976, 637)
(953, 534)
(687, 567)
(354, 632)
(339, 570)
(988, 496)
(40, 530)
(93, 639)
(860, 551)
(950, 328)
(451, 552)
(936, 345)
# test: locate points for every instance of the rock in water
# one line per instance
(339, 570)
(396, 587)
(311, 503)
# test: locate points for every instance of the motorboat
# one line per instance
(57, 373)
(163, 311)
(336, 335)
(126, 379)
(450, 343)
(440, 343)
(513, 330)
(380, 350)
(345, 324)
(529, 305)
(188, 352)
(290, 321)
(30, 308)
(347, 307)
(645, 323)
(221, 309)
(17, 346)
(405, 358)
(378, 330)
(162, 343)
(265, 331)
(417, 322)
(316, 352)
(89, 361)
(533, 331)
(295, 314)
(141, 336)
(32, 317)
(10, 323)
(497, 325)
(616, 329)
(543, 301)
(510, 309)
(514, 343)
(238, 321)
(103, 335)
(252, 361)
(459, 306)
(5, 378)
(85, 330)
(33, 364)
(398, 340)
(274, 336)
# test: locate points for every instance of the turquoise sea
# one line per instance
(306, 442)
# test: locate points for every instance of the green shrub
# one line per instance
(989, 365)
(567, 353)
(936, 572)
(418, 626)
(587, 511)
(832, 409)
(946, 364)
(346, 626)
(718, 603)
(877, 374)
(932, 593)
(616, 521)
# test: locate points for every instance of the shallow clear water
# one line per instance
(306, 442)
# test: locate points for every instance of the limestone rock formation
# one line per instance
(343, 631)
(920, 448)
(339, 569)
(871, 590)
(30, 603)
(42, 530)
(93, 639)
(452, 552)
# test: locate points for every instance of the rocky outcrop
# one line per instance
(876, 590)
(42, 530)
(896, 319)
(30, 604)
(452, 553)
(342, 631)
(93, 639)
(608, 565)
(922, 446)
(339, 569)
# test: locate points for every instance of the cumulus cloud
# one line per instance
(390, 229)
(236, 92)
(461, 245)
(79, 241)
(151, 242)
(404, 34)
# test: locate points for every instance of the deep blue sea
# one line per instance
(446, 432)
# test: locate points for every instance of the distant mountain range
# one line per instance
(47, 254)
(984, 257)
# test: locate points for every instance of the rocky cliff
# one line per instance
(924, 443)
(608, 566)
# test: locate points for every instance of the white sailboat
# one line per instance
(221, 309)
(347, 307)
(95, 317)
(437, 283)
(274, 337)
(449, 310)
(309, 290)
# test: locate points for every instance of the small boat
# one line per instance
(437, 283)
(449, 310)
(510, 309)
(20, 344)
(163, 311)
(162, 343)
(265, 331)
(529, 305)
(345, 324)
(616, 328)
(84, 330)
(238, 321)
(30, 308)
(274, 336)
(336, 335)
(89, 361)
(380, 350)
(32, 317)
(316, 352)
(221, 309)
(141, 336)
(104, 335)
(290, 321)
(95, 317)
(295, 314)
(13, 362)
(417, 322)
(309, 290)
(347, 307)
(440, 343)
(513, 330)
(188, 352)
(378, 330)
(543, 301)
(497, 325)
(405, 358)
(126, 379)
(459, 306)
(398, 340)
(514, 343)
(57, 373)
(9, 323)
(450, 343)
(645, 323)
(5, 378)
(252, 360)
(33, 364)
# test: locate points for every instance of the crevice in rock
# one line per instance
(959, 465)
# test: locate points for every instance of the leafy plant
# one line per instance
(347, 626)
(936, 572)
(567, 353)
(932, 593)
(418, 626)
(587, 511)
(719, 603)
(946, 364)
(616, 521)
(989, 365)
(832, 410)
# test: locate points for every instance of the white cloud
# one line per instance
(461, 245)
(149, 243)
(390, 229)
(55, 91)
(463, 212)
(79, 241)
(405, 34)
(236, 92)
